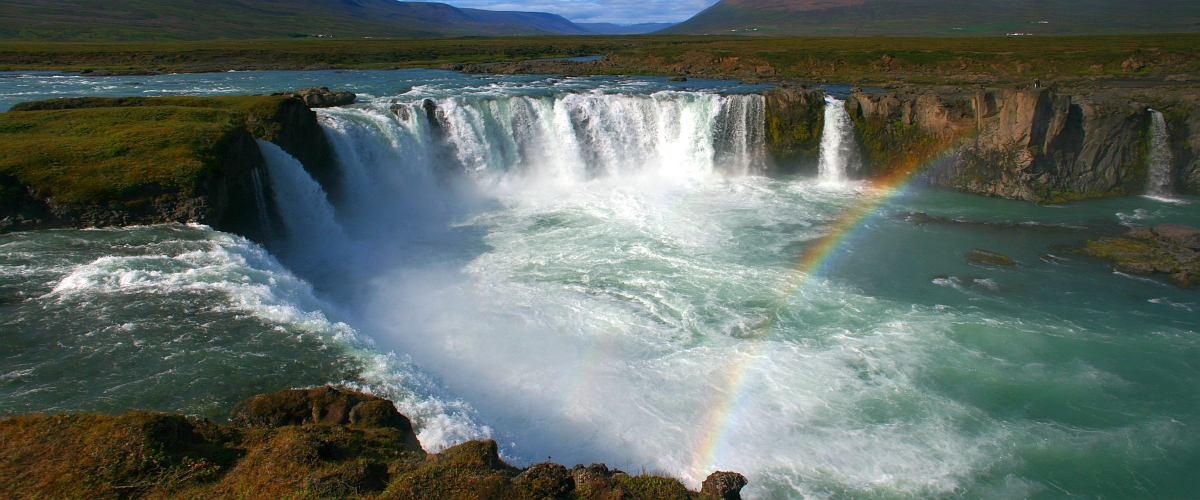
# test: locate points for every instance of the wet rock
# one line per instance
(723, 486)
(324, 406)
(322, 97)
(1185, 279)
(1134, 268)
(677, 79)
(1141, 233)
(1185, 236)
(978, 256)
(546, 480)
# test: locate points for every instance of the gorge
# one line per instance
(670, 276)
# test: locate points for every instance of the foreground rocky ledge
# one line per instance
(314, 443)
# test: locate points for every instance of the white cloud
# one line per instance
(600, 11)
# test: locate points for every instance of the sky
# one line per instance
(600, 11)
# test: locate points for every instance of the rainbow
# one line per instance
(728, 397)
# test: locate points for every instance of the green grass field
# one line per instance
(1158, 57)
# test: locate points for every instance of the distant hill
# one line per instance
(549, 23)
(942, 17)
(242, 19)
(623, 29)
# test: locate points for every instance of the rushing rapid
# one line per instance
(599, 270)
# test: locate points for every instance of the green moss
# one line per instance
(892, 145)
(127, 152)
(656, 488)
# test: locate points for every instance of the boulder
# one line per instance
(546, 480)
(978, 256)
(323, 406)
(1185, 236)
(322, 97)
(677, 79)
(722, 485)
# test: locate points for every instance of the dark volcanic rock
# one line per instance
(794, 119)
(325, 406)
(979, 256)
(723, 486)
(322, 97)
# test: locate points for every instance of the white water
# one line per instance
(1158, 181)
(597, 270)
(837, 153)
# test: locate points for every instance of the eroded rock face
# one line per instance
(1034, 144)
(794, 119)
(324, 406)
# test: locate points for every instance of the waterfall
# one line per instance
(573, 137)
(837, 154)
(1158, 181)
(307, 214)
(260, 202)
(315, 243)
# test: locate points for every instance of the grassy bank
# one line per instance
(124, 151)
(1158, 58)
(316, 443)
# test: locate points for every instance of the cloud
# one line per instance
(600, 11)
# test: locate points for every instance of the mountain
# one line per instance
(624, 29)
(549, 23)
(942, 17)
(82, 20)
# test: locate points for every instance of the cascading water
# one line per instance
(554, 265)
(837, 153)
(581, 136)
(1158, 180)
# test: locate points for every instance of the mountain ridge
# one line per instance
(130, 20)
(941, 17)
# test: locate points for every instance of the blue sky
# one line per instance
(599, 11)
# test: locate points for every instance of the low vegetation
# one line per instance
(315, 443)
(127, 151)
(1162, 58)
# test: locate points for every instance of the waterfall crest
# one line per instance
(1158, 178)
(576, 136)
(837, 153)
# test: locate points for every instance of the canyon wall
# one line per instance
(1033, 144)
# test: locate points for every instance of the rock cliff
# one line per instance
(94, 162)
(794, 118)
(1033, 144)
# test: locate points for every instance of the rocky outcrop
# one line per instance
(722, 485)
(322, 97)
(794, 118)
(168, 159)
(1034, 144)
(325, 406)
(1169, 249)
(984, 257)
(311, 443)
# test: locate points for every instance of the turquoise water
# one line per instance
(591, 270)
